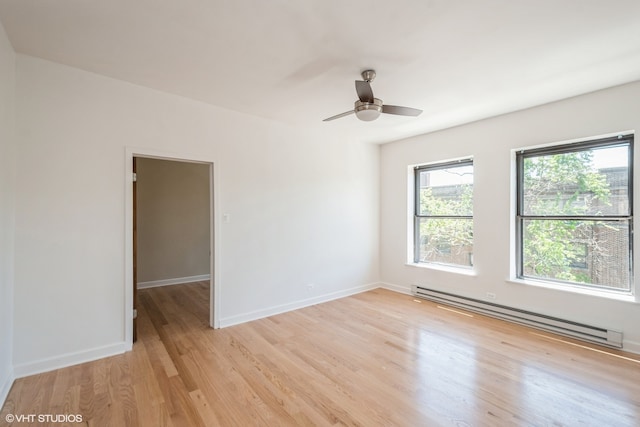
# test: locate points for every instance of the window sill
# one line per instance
(575, 290)
(467, 271)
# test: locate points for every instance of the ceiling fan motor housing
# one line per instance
(368, 111)
(368, 75)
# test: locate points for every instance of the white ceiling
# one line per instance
(295, 61)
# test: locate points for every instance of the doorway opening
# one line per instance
(170, 230)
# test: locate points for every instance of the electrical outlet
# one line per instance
(491, 295)
(310, 287)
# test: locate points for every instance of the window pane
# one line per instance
(446, 191)
(583, 183)
(583, 252)
(446, 241)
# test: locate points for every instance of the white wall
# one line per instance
(303, 208)
(490, 142)
(7, 197)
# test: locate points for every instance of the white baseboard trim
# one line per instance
(5, 387)
(271, 311)
(176, 281)
(631, 346)
(69, 359)
(397, 288)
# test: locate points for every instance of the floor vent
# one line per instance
(563, 327)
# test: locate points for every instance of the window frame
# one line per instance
(468, 161)
(573, 147)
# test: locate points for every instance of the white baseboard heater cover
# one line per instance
(559, 326)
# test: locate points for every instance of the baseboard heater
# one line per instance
(559, 326)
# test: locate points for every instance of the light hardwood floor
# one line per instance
(374, 359)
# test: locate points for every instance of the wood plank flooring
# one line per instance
(374, 359)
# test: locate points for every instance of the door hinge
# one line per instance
(135, 177)
(135, 313)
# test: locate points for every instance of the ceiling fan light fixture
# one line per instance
(368, 111)
(367, 108)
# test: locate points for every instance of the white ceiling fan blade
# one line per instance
(365, 93)
(337, 116)
(401, 111)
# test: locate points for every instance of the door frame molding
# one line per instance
(214, 296)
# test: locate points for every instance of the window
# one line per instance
(574, 214)
(443, 218)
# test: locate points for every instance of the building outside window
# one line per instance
(443, 217)
(574, 214)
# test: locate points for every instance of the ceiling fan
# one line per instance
(368, 108)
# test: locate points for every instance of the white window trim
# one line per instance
(626, 297)
(449, 268)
